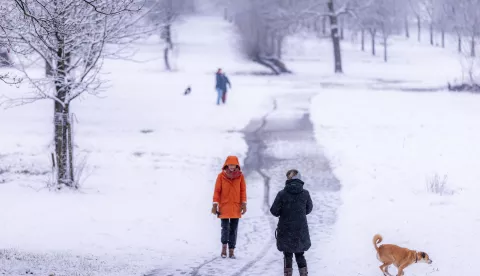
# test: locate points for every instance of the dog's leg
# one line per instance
(384, 269)
(400, 270)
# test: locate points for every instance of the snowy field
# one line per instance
(407, 161)
(152, 156)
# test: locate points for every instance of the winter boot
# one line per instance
(230, 253)
(303, 271)
(224, 251)
(288, 271)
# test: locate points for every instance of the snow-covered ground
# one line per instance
(152, 155)
(407, 161)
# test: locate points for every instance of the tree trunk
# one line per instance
(443, 38)
(335, 38)
(281, 67)
(271, 44)
(472, 47)
(459, 46)
(167, 35)
(62, 128)
(69, 145)
(431, 34)
(324, 25)
(63, 145)
(60, 143)
(267, 64)
(342, 27)
(385, 54)
(278, 46)
(166, 58)
(372, 35)
(407, 28)
(419, 28)
(362, 39)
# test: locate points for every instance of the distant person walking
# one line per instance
(292, 205)
(229, 203)
(221, 86)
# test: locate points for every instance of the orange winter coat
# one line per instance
(230, 193)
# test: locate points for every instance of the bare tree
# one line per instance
(453, 16)
(403, 15)
(5, 50)
(70, 37)
(102, 7)
(430, 9)
(444, 19)
(337, 52)
(390, 21)
(415, 7)
(381, 16)
(470, 20)
(25, 7)
(164, 13)
(367, 21)
(262, 27)
(338, 12)
(462, 17)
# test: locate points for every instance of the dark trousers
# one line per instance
(288, 259)
(229, 232)
(224, 96)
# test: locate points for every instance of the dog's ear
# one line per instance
(422, 254)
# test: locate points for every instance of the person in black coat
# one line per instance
(292, 205)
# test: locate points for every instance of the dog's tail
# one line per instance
(376, 240)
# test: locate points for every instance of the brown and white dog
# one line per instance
(400, 257)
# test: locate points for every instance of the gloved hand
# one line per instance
(244, 208)
(214, 208)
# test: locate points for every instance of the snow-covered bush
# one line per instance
(438, 185)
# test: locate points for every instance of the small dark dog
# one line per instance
(187, 91)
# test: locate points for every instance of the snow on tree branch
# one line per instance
(70, 39)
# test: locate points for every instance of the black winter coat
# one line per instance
(292, 205)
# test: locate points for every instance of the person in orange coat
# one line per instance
(230, 202)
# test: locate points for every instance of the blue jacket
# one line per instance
(222, 81)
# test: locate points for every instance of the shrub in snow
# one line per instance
(438, 185)
(146, 131)
(4, 170)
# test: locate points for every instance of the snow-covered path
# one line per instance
(278, 138)
(281, 139)
(289, 142)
